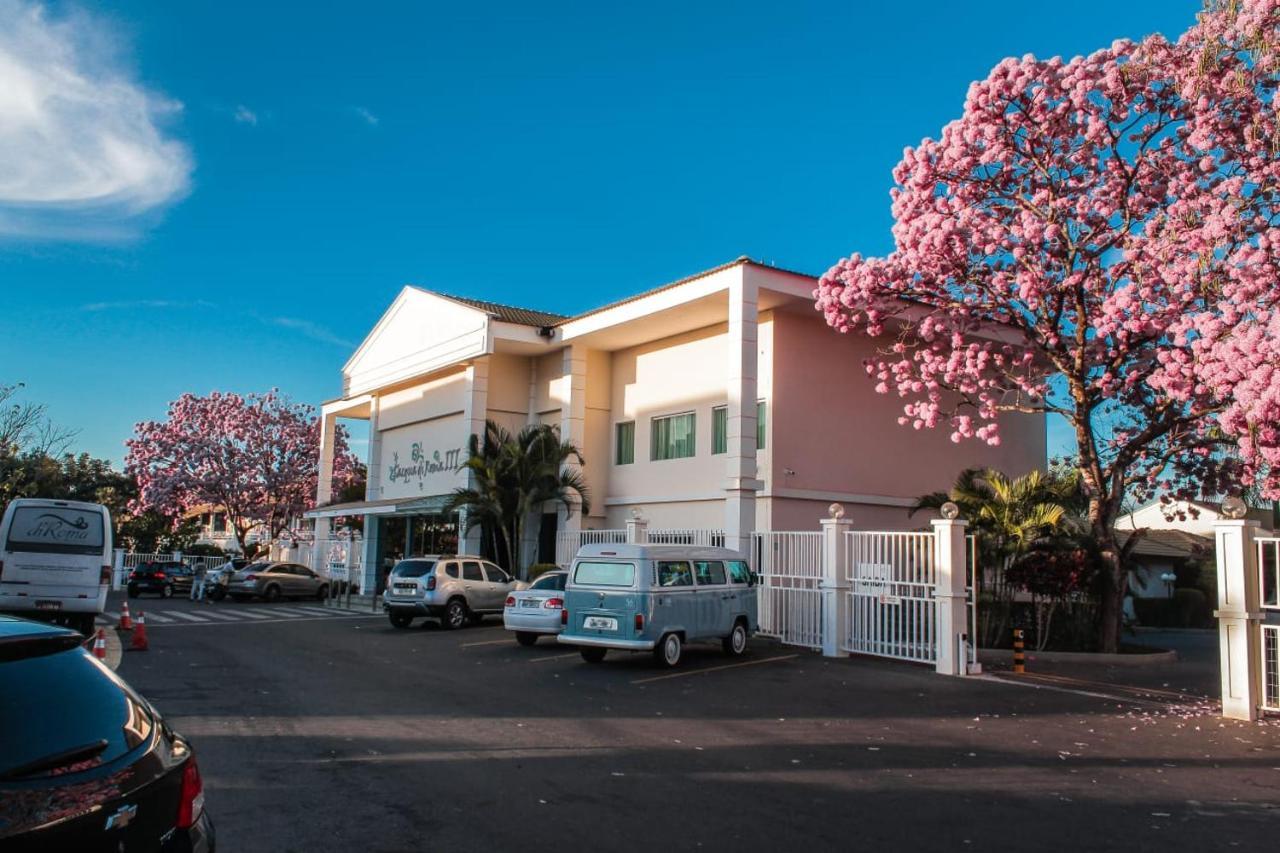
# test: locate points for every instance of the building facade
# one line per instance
(720, 401)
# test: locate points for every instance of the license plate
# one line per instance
(48, 605)
(603, 623)
(528, 603)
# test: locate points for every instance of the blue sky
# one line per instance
(289, 167)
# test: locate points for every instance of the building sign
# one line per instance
(419, 467)
(423, 459)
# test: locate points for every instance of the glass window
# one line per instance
(625, 453)
(674, 574)
(219, 522)
(709, 572)
(496, 574)
(604, 574)
(413, 568)
(762, 409)
(451, 569)
(550, 581)
(673, 437)
(719, 429)
(739, 572)
(471, 571)
(56, 530)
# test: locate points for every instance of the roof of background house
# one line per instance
(532, 317)
(1168, 543)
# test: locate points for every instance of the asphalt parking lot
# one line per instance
(330, 733)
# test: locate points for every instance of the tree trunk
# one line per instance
(1115, 581)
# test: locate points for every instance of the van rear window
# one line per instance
(604, 574)
(55, 530)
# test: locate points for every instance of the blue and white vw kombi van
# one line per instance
(657, 598)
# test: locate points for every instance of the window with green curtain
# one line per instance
(626, 448)
(761, 411)
(719, 429)
(672, 437)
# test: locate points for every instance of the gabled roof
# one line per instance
(1169, 543)
(506, 313)
(533, 317)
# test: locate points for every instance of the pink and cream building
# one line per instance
(721, 401)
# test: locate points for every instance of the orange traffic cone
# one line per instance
(139, 641)
(100, 645)
(126, 623)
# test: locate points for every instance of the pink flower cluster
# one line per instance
(1096, 238)
(257, 457)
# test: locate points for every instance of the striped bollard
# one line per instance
(1019, 654)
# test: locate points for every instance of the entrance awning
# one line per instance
(388, 506)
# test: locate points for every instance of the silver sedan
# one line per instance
(536, 610)
(273, 581)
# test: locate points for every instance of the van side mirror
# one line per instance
(755, 579)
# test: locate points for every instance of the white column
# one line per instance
(834, 585)
(952, 600)
(1239, 617)
(324, 482)
(573, 420)
(117, 569)
(476, 413)
(372, 492)
(637, 530)
(741, 484)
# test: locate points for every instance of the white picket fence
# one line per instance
(1269, 596)
(569, 541)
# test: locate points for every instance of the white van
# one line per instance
(55, 561)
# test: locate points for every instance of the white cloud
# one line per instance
(371, 119)
(82, 152)
(308, 329)
(244, 115)
(135, 304)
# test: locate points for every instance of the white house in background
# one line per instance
(1175, 533)
(720, 401)
(215, 530)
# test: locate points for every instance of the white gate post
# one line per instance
(952, 601)
(1239, 615)
(834, 585)
(117, 569)
(637, 530)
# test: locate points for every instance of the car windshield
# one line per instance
(554, 581)
(604, 574)
(413, 568)
(256, 567)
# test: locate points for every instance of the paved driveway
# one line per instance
(330, 734)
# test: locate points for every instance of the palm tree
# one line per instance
(512, 475)
(1008, 516)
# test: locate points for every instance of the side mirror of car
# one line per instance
(753, 580)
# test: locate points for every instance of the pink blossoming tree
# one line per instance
(255, 457)
(1096, 239)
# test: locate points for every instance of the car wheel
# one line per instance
(83, 624)
(323, 592)
(166, 591)
(669, 651)
(455, 615)
(271, 593)
(400, 620)
(525, 638)
(735, 645)
(593, 655)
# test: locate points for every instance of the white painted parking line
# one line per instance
(261, 610)
(188, 616)
(241, 613)
(285, 621)
(552, 657)
(154, 617)
(225, 616)
(713, 669)
(291, 611)
(114, 617)
(316, 611)
(487, 643)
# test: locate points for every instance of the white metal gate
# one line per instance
(789, 597)
(892, 610)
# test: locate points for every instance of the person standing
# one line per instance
(197, 582)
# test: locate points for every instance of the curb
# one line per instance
(1006, 656)
(115, 650)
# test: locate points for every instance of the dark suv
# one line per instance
(164, 579)
(87, 764)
